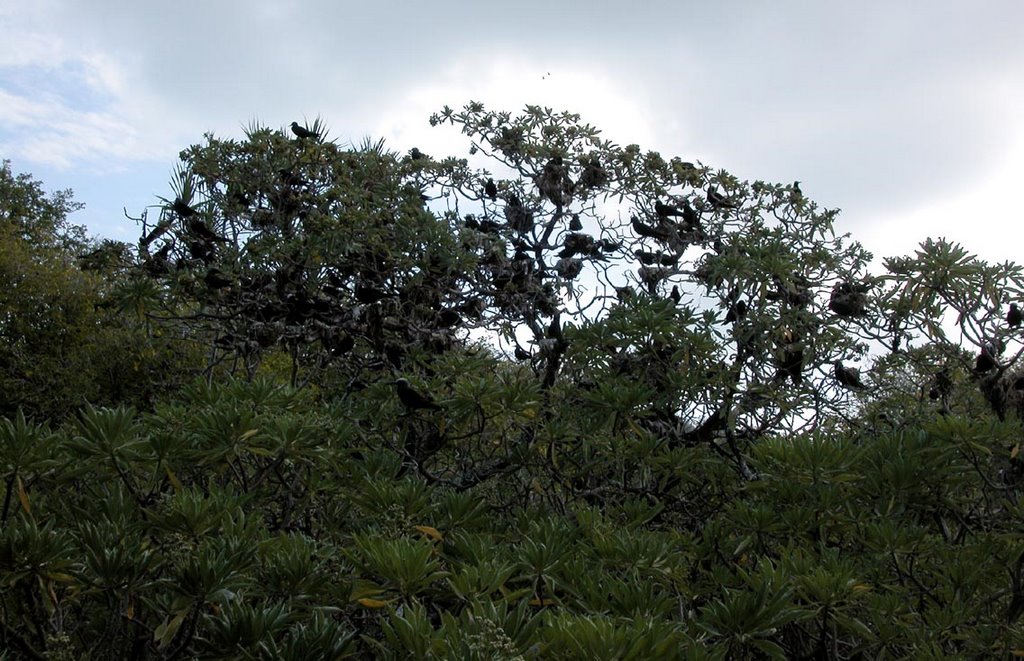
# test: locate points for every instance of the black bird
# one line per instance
(553, 182)
(667, 210)
(575, 225)
(719, 201)
(848, 377)
(202, 231)
(1014, 317)
(215, 279)
(158, 264)
(650, 231)
(594, 175)
(647, 257)
(448, 318)
(415, 154)
(795, 194)
(303, 132)
(522, 354)
(675, 295)
(848, 300)
(984, 362)
(520, 219)
(368, 294)
(413, 400)
(790, 360)
(791, 365)
(795, 291)
(339, 346)
(690, 216)
(737, 311)
(568, 267)
(182, 209)
(491, 189)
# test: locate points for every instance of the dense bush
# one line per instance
(454, 413)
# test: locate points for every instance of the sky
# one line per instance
(905, 115)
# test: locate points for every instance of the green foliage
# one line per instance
(654, 475)
(64, 340)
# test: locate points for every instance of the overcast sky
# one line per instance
(909, 116)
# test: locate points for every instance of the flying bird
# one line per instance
(413, 400)
(848, 377)
(303, 132)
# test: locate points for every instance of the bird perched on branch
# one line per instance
(1014, 316)
(520, 219)
(180, 207)
(789, 359)
(848, 377)
(553, 182)
(719, 201)
(650, 231)
(737, 311)
(413, 400)
(203, 232)
(667, 210)
(491, 190)
(303, 132)
(848, 300)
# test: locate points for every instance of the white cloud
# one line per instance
(508, 82)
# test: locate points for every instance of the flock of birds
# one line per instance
(675, 225)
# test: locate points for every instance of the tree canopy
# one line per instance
(561, 398)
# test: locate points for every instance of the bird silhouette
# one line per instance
(667, 210)
(491, 189)
(575, 225)
(984, 362)
(649, 231)
(203, 232)
(303, 132)
(520, 219)
(594, 175)
(848, 377)
(413, 400)
(180, 207)
(216, 279)
(1014, 316)
(848, 300)
(719, 201)
(737, 311)
(553, 182)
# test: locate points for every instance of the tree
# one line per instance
(63, 342)
(297, 246)
(590, 495)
